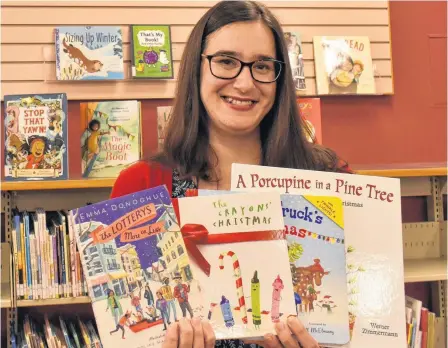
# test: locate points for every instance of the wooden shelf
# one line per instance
(53, 301)
(425, 270)
(403, 170)
(5, 302)
(56, 185)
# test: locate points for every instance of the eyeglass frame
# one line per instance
(243, 64)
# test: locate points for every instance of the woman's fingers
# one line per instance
(209, 335)
(172, 336)
(285, 336)
(198, 334)
(299, 330)
(186, 336)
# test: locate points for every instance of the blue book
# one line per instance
(89, 53)
(136, 267)
(36, 137)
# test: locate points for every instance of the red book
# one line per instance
(309, 109)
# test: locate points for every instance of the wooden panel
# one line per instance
(47, 71)
(301, 4)
(180, 33)
(137, 89)
(47, 52)
(28, 40)
(421, 240)
(181, 15)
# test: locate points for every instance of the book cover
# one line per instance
(152, 56)
(373, 243)
(295, 54)
(89, 53)
(136, 267)
(163, 114)
(343, 65)
(36, 137)
(111, 138)
(309, 110)
(249, 287)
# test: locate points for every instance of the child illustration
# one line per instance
(114, 304)
(124, 321)
(162, 306)
(148, 295)
(181, 293)
(37, 148)
(169, 298)
(135, 301)
(345, 76)
(92, 144)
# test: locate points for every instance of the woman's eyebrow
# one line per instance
(238, 55)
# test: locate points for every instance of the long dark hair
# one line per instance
(186, 144)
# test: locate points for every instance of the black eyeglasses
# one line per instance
(227, 67)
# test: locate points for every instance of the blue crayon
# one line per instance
(227, 312)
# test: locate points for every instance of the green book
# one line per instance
(151, 52)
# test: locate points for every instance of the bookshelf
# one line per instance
(424, 243)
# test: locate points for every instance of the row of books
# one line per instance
(282, 241)
(36, 135)
(343, 65)
(47, 263)
(55, 333)
(420, 324)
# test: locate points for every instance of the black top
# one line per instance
(180, 188)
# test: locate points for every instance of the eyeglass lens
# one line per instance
(228, 68)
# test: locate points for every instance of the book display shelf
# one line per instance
(424, 243)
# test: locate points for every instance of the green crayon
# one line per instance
(255, 296)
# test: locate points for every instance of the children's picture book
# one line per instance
(372, 238)
(343, 65)
(314, 228)
(36, 137)
(111, 138)
(309, 110)
(152, 56)
(295, 54)
(249, 286)
(89, 53)
(136, 266)
(163, 115)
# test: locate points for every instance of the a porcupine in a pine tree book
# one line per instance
(343, 65)
(111, 138)
(314, 227)
(136, 266)
(89, 53)
(373, 243)
(36, 137)
(244, 275)
(152, 56)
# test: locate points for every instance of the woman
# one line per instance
(235, 102)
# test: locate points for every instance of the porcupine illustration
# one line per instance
(91, 66)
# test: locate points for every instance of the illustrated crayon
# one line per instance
(227, 312)
(277, 286)
(255, 296)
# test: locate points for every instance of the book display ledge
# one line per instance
(424, 243)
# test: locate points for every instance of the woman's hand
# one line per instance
(290, 335)
(189, 334)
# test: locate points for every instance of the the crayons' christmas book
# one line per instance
(249, 286)
(309, 110)
(343, 65)
(152, 56)
(136, 266)
(36, 137)
(373, 243)
(89, 53)
(314, 227)
(111, 138)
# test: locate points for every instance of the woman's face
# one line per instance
(237, 106)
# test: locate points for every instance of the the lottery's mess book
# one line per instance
(249, 287)
(314, 228)
(136, 266)
(373, 243)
